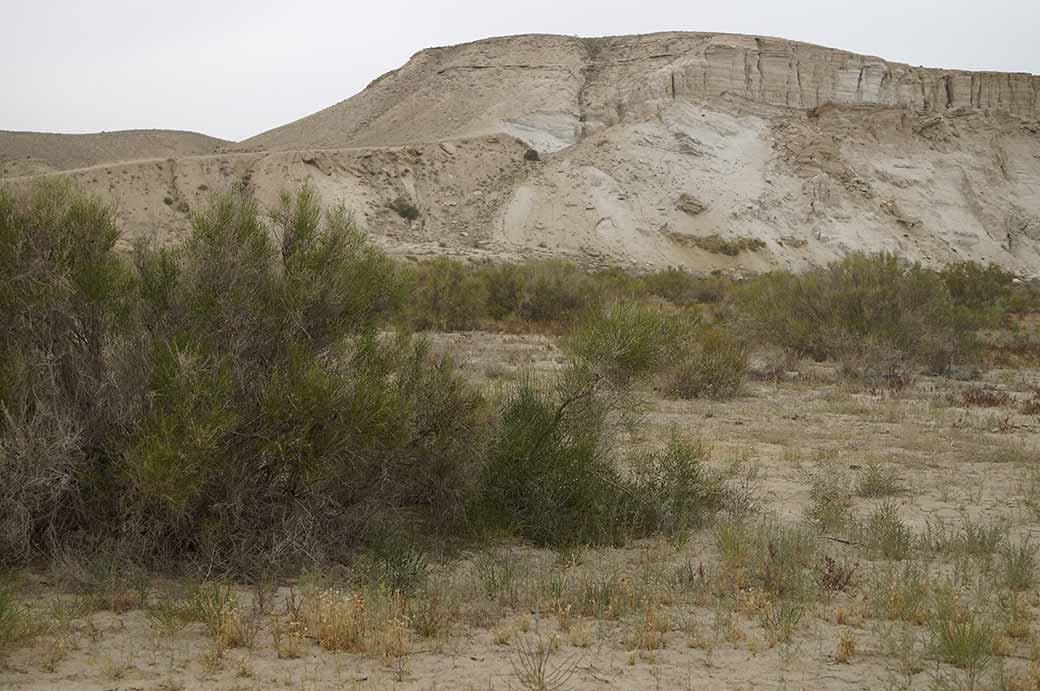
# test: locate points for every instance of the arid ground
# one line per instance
(777, 593)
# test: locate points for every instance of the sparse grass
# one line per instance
(969, 539)
(16, 625)
(902, 593)
(980, 398)
(1020, 563)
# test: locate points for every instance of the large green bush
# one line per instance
(230, 399)
(878, 300)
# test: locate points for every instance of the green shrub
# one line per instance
(862, 300)
(672, 491)
(680, 287)
(65, 306)
(714, 366)
(555, 291)
(550, 477)
(446, 295)
(628, 340)
(983, 289)
(229, 400)
(960, 637)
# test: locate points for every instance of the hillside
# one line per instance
(710, 151)
(23, 153)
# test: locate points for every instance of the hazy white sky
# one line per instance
(234, 68)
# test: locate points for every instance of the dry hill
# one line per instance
(23, 153)
(711, 151)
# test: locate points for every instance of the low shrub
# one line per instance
(628, 340)
(877, 300)
(446, 295)
(672, 491)
(714, 365)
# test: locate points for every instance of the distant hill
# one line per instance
(68, 151)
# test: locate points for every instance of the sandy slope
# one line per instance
(647, 145)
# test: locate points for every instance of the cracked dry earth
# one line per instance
(676, 617)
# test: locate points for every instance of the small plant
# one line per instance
(781, 620)
(834, 576)
(846, 648)
(533, 664)
(885, 532)
(902, 594)
(398, 567)
(877, 482)
(497, 576)
(1020, 565)
(960, 638)
(342, 621)
(830, 498)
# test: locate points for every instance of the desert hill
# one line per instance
(709, 151)
(41, 151)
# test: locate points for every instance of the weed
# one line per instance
(960, 638)
(902, 593)
(835, 577)
(398, 567)
(534, 668)
(876, 482)
(886, 533)
(1019, 560)
(781, 620)
(830, 500)
(846, 649)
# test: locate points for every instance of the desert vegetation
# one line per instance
(282, 448)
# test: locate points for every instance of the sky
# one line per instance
(235, 68)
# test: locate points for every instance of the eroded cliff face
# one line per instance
(551, 90)
(648, 146)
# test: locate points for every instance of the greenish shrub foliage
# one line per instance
(861, 302)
